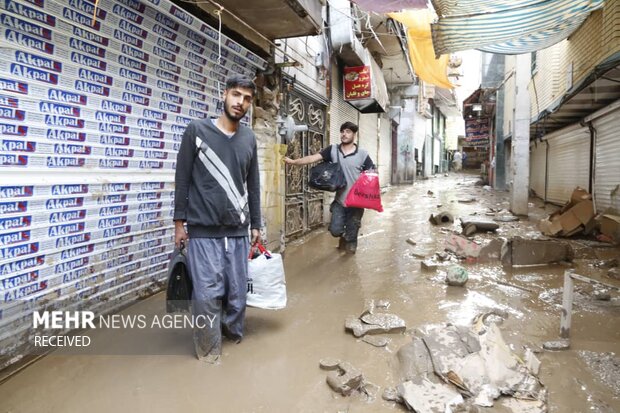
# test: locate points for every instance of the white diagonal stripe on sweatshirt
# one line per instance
(221, 174)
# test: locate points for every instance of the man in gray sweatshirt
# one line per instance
(346, 221)
(217, 196)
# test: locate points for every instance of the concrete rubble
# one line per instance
(371, 322)
(344, 378)
(441, 218)
(473, 224)
(521, 251)
(449, 368)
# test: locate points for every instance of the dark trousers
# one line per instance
(345, 222)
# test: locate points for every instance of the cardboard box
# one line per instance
(584, 211)
(579, 194)
(610, 225)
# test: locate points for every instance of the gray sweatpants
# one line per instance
(219, 271)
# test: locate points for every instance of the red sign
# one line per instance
(357, 83)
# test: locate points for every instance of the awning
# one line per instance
(387, 6)
(430, 69)
(507, 26)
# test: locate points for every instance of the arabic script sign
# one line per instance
(357, 82)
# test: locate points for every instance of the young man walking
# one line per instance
(217, 196)
(345, 222)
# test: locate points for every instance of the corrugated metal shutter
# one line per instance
(607, 166)
(538, 161)
(93, 112)
(368, 134)
(436, 152)
(568, 162)
(339, 110)
(385, 150)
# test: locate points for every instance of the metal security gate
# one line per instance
(568, 162)
(607, 166)
(303, 205)
(538, 165)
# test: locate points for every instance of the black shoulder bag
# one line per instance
(327, 176)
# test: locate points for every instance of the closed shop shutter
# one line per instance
(339, 110)
(93, 114)
(538, 155)
(568, 162)
(607, 165)
(368, 134)
(384, 161)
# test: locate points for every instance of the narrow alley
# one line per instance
(276, 367)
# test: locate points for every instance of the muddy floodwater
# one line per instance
(276, 367)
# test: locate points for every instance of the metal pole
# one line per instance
(567, 304)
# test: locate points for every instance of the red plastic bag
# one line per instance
(365, 192)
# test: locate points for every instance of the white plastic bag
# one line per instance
(266, 282)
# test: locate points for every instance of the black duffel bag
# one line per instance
(327, 176)
(179, 291)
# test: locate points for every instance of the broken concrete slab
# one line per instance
(461, 246)
(346, 379)
(556, 345)
(414, 360)
(441, 218)
(376, 341)
(493, 250)
(329, 363)
(370, 323)
(390, 394)
(472, 224)
(422, 395)
(523, 251)
(506, 218)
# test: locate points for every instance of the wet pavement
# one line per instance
(276, 367)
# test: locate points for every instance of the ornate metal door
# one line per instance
(303, 205)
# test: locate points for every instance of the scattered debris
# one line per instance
(601, 295)
(556, 345)
(430, 193)
(329, 363)
(410, 241)
(462, 247)
(374, 323)
(492, 251)
(606, 366)
(345, 379)
(456, 276)
(414, 360)
(376, 341)
(575, 217)
(420, 256)
(422, 395)
(441, 218)
(506, 218)
(467, 200)
(611, 263)
(610, 226)
(390, 394)
(521, 251)
(472, 224)
(614, 273)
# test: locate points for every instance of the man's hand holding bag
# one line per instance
(266, 281)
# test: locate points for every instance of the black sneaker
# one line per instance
(342, 243)
(351, 247)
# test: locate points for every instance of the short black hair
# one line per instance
(242, 82)
(349, 125)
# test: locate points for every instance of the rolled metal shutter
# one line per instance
(368, 134)
(538, 163)
(568, 162)
(384, 161)
(92, 116)
(339, 110)
(607, 165)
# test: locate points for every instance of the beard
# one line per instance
(232, 116)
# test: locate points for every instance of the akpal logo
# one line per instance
(15, 86)
(93, 88)
(68, 149)
(149, 216)
(29, 12)
(166, 21)
(163, 32)
(93, 37)
(198, 114)
(148, 133)
(110, 117)
(25, 291)
(113, 210)
(76, 252)
(58, 109)
(194, 47)
(162, 74)
(8, 113)
(169, 46)
(57, 217)
(62, 135)
(38, 61)
(89, 61)
(88, 8)
(170, 67)
(196, 37)
(167, 86)
(116, 187)
(14, 130)
(135, 76)
(150, 165)
(155, 155)
(69, 189)
(14, 237)
(65, 267)
(25, 26)
(197, 77)
(148, 196)
(169, 107)
(72, 240)
(16, 191)
(13, 160)
(33, 74)
(133, 4)
(80, 18)
(115, 232)
(137, 99)
(180, 14)
(18, 251)
(131, 63)
(127, 39)
(111, 199)
(13, 207)
(193, 66)
(15, 222)
(165, 54)
(17, 280)
(193, 57)
(22, 265)
(112, 128)
(196, 95)
(95, 77)
(195, 85)
(17, 146)
(66, 97)
(119, 241)
(150, 206)
(146, 123)
(111, 222)
(65, 229)
(64, 121)
(119, 152)
(151, 186)
(182, 120)
(64, 203)
(86, 47)
(132, 29)
(64, 162)
(153, 114)
(199, 105)
(114, 140)
(136, 88)
(169, 97)
(115, 106)
(113, 163)
(135, 53)
(127, 14)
